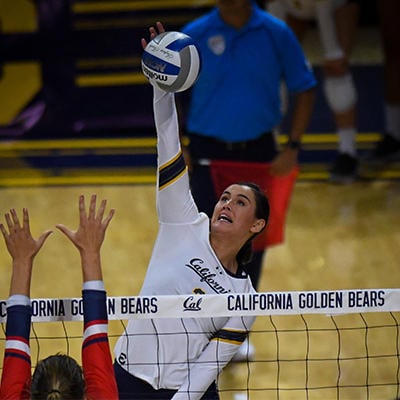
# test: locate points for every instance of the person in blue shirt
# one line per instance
(235, 105)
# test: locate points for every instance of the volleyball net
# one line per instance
(339, 344)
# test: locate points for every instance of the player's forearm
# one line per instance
(201, 377)
(21, 277)
(205, 370)
(174, 201)
(166, 120)
(91, 266)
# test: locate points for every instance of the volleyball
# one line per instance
(171, 61)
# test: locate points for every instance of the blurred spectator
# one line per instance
(337, 22)
(50, 112)
(388, 148)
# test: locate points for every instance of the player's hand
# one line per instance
(154, 31)
(23, 249)
(19, 241)
(89, 236)
(92, 226)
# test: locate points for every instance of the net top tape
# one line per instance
(330, 302)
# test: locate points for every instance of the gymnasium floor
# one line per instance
(337, 237)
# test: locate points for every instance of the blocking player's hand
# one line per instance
(19, 241)
(89, 236)
(23, 248)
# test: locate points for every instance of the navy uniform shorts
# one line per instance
(132, 388)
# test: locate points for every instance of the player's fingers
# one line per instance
(43, 237)
(92, 207)
(25, 216)
(3, 231)
(160, 27)
(102, 207)
(14, 217)
(109, 218)
(9, 221)
(66, 231)
(82, 210)
(153, 32)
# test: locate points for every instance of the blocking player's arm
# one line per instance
(174, 199)
(96, 357)
(22, 247)
(16, 375)
(218, 353)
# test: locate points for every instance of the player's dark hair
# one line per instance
(245, 254)
(58, 377)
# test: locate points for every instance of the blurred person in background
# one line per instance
(388, 148)
(337, 22)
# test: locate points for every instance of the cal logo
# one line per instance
(192, 303)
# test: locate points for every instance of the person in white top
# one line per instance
(337, 22)
(181, 358)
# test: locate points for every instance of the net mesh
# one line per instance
(335, 345)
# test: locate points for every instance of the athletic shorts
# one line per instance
(132, 388)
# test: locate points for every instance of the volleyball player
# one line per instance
(337, 23)
(181, 358)
(58, 376)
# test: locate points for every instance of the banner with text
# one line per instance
(221, 305)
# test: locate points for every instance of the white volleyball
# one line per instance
(171, 61)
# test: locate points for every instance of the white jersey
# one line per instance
(322, 11)
(183, 354)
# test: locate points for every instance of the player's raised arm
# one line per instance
(89, 236)
(23, 248)
(96, 355)
(174, 200)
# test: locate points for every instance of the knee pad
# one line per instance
(340, 93)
